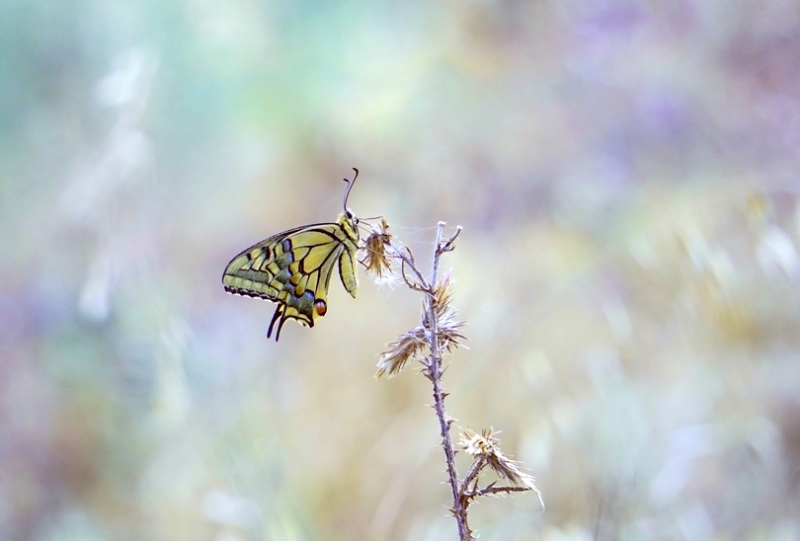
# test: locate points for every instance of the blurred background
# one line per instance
(625, 173)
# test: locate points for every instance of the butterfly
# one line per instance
(293, 268)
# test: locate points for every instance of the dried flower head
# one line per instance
(486, 446)
(414, 344)
(448, 327)
(479, 444)
(375, 259)
(408, 346)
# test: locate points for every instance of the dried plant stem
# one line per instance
(434, 374)
(438, 333)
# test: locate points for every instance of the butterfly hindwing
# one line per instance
(347, 271)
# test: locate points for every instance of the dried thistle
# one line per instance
(448, 328)
(408, 346)
(414, 345)
(485, 447)
(375, 260)
(438, 333)
(477, 444)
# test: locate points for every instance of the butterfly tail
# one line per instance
(276, 316)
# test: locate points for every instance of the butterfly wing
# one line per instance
(293, 269)
(255, 271)
(347, 271)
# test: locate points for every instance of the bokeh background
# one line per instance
(626, 176)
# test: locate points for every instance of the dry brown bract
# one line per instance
(375, 259)
(414, 345)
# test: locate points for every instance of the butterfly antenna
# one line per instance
(349, 187)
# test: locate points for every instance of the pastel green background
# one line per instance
(626, 173)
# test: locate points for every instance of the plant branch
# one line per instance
(491, 489)
(407, 260)
(434, 374)
(440, 332)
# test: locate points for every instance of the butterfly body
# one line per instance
(293, 269)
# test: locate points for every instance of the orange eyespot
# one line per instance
(321, 307)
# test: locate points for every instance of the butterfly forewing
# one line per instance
(255, 271)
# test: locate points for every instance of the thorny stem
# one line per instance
(495, 490)
(434, 367)
(439, 330)
(436, 320)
